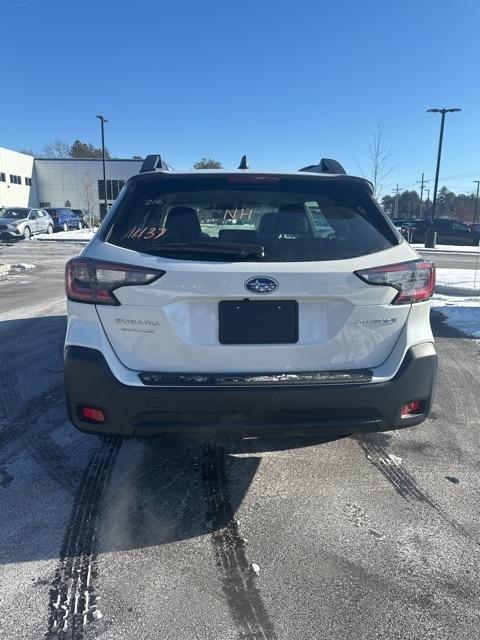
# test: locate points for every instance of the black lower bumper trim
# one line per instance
(227, 379)
(248, 409)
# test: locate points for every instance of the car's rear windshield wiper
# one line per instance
(234, 249)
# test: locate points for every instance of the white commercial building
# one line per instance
(67, 182)
(16, 182)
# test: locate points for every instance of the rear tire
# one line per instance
(27, 233)
(80, 226)
(65, 226)
(50, 229)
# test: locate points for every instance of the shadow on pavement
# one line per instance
(162, 490)
(159, 490)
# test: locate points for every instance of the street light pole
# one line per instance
(430, 236)
(102, 123)
(476, 200)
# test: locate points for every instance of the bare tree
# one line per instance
(89, 197)
(56, 149)
(378, 161)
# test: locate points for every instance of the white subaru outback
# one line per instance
(248, 303)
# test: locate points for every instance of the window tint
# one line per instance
(214, 219)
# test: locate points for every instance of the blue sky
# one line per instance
(284, 82)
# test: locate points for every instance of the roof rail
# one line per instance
(154, 163)
(326, 165)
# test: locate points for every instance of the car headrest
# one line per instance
(182, 225)
(290, 219)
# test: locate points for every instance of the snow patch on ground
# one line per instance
(21, 267)
(458, 282)
(465, 319)
(457, 297)
(459, 277)
(77, 234)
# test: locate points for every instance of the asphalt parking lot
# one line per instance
(373, 537)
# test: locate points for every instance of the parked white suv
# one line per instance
(248, 302)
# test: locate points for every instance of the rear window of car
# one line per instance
(227, 218)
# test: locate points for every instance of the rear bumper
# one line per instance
(244, 410)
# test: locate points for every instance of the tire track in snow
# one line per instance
(22, 423)
(238, 580)
(74, 602)
(30, 428)
(50, 459)
(404, 483)
(28, 422)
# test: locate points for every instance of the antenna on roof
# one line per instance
(243, 163)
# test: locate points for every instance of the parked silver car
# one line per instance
(23, 222)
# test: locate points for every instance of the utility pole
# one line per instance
(428, 201)
(422, 182)
(395, 214)
(476, 200)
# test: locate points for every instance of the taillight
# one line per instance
(414, 281)
(94, 281)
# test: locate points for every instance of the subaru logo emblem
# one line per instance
(261, 284)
